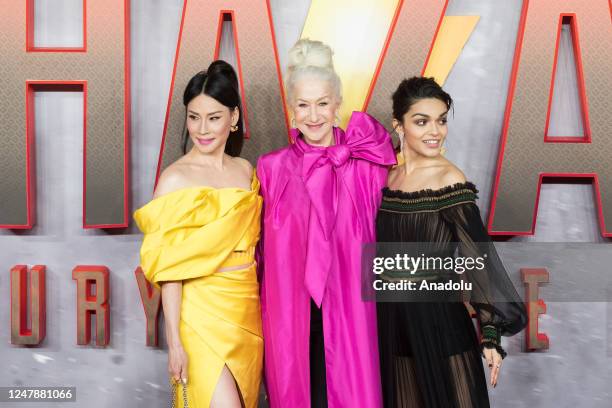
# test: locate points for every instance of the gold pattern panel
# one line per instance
(103, 66)
(525, 156)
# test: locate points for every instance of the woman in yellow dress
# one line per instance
(200, 230)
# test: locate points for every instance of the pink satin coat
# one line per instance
(320, 206)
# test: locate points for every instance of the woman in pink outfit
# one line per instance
(321, 195)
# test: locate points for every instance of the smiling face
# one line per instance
(315, 106)
(424, 127)
(208, 123)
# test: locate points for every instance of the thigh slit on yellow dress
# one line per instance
(221, 326)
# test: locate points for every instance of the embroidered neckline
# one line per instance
(428, 192)
(428, 200)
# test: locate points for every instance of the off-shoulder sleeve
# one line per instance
(186, 237)
(499, 308)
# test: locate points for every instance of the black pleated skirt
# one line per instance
(430, 356)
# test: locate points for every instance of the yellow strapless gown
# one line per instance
(189, 235)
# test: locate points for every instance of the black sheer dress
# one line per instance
(430, 352)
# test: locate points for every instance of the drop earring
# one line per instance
(400, 137)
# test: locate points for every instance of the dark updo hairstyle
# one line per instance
(412, 90)
(220, 82)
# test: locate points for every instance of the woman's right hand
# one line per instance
(177, 363)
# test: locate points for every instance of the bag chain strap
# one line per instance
(173, 389)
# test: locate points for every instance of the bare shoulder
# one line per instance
(451, 174)
(171, 179)
(393, 174)
(244, 164)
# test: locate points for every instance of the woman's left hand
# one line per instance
(494, 361)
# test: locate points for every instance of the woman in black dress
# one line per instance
(430, 352)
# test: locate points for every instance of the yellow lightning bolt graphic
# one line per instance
(356, 30)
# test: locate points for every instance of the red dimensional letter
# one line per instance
(151, 300)
(407, 48)
(89, 303)
(20, 333)
(99, 69)
(257, 64)
(535, 307)
(528, 154)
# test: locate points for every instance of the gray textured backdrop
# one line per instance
(574, 372)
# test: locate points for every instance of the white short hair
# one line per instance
(312, 58)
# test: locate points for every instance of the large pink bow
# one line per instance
(323, 169)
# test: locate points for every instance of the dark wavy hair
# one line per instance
(220, 82)
(414, 89)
